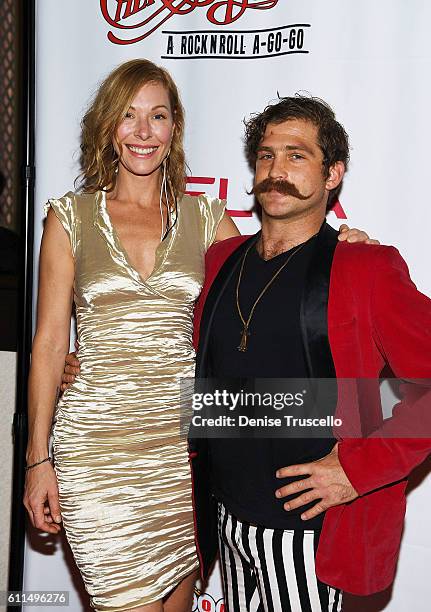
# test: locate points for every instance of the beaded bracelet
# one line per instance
(28, 467)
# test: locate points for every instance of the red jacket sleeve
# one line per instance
(212, 264)
(401, 318)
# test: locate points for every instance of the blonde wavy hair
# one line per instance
(99, 159)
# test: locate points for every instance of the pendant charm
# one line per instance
(243, 344)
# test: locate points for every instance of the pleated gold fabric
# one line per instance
(122, 466)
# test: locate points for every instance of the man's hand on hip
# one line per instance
(327, 482)
(71, 370)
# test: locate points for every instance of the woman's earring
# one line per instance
(116, 162)
(163, 189)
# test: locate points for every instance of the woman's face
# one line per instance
(144, 136)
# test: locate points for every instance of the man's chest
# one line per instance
(266, 307)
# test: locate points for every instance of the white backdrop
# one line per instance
(370, 60)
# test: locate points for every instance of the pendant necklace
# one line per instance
(246, 322)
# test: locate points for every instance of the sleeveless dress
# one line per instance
(121, 463)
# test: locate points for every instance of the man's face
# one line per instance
(289, 180)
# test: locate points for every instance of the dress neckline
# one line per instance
(104, 223)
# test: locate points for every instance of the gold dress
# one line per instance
(121, 464)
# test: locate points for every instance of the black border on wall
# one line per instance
(27, 20)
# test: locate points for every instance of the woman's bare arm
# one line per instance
(51, 343)
(226, 229)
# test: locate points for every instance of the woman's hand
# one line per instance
(41, 498)
(355, 235)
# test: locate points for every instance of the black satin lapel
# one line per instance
(314, 306)
(214, 296)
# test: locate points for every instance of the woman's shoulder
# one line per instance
(72, 202)
(201, 201)
(204, 213)
(202, 206)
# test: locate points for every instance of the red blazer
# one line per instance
(374, 316)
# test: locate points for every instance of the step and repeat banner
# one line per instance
(370, 60)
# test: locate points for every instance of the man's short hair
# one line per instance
(332, 137)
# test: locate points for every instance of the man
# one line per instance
(294, 302)
(300, 154)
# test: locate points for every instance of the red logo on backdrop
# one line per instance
(146, 16)
(338, 210)
(222, 185)
(200, 184)
(205, 602)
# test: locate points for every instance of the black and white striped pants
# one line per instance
(271, 570)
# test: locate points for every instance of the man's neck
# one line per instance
(280, 235)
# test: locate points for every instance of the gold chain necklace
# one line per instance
(246, 322)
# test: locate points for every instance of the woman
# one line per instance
(134, 293)
(129, 251)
